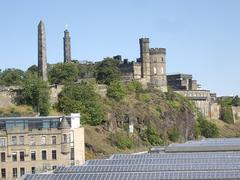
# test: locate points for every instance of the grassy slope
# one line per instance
(228, 130)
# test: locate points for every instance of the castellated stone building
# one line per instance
(150, 68)
(31, 145)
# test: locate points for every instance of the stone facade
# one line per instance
(236, 113)
(203, 101)
(42, 52)
(182, 82)
(39, 144)
(149, 69)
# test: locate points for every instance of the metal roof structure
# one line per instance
(173, 164)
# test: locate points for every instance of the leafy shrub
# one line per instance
(11, 77)
(107, 71)
(121, 140)
(82, 98)
(144, 97)
(134, 86)
(207, 128)
(226, 114)
(116, 90)
(174, 135)
(152, 137)
(63, 73)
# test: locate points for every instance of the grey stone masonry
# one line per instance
(67, 46)
(42, 52)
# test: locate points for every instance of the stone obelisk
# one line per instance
(67, 46)
(42, 52)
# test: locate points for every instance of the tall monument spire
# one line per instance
(67, 46)
(42, 52)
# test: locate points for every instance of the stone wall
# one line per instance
(8, 95)
(54, 91)
(201, 98)
(215, 111)
(236, 113)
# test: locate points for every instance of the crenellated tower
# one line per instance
(158, 68)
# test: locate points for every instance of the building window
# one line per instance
(44, 155)
(33, 155)
(33, 170)
(3, 157)
(14, 156)
(14, 173)
(22, 171)
(21, 140)
(14, 140)
(32, 140)
(22, 156)
(2, 142)
(54, 167)
(162, 59)
(3, 173)
(72, 154)
(54, 140)
(54, 154)
(43, 140)
(65, 138)
(155, 71)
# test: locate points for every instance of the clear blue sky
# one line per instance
(202, 37)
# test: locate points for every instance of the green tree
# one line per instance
(134, 86)
(226, 114)
(207, 128)
(63, 73)
(236, 101)
(116, 90)
(11, 77)
(32, 69)
(151, 136)
(82, 98)
(107, 71)
(36, 93)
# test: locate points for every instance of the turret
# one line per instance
(65, 131)
(158, 68)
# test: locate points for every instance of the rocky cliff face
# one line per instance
(163, 111)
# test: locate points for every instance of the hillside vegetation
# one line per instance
(157, 118)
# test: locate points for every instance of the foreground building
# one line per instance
(206, 159)
(39, 144)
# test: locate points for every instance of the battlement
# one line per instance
(144, 40)
(157, 51)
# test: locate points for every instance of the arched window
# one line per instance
(154, 70)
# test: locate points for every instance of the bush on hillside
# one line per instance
(82, 98)
(116, 90)
(207, 128)
(62, 73)
(174, 135)
(150, 135)
(121, 140)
